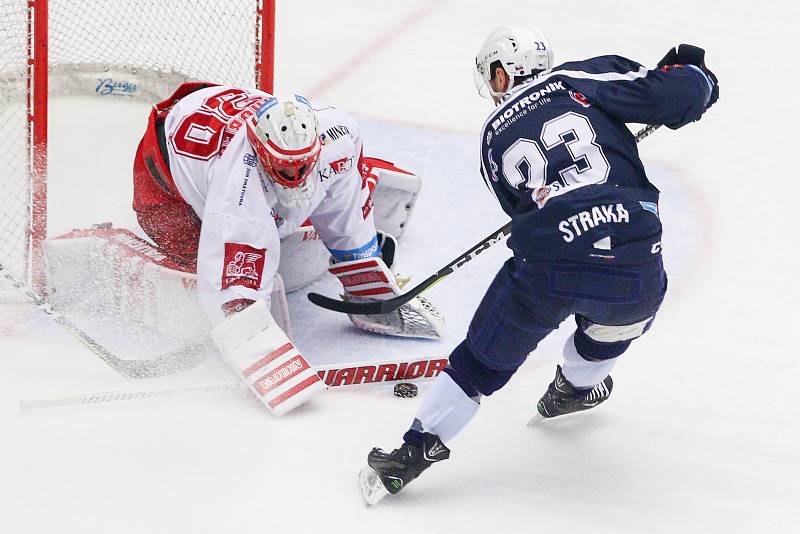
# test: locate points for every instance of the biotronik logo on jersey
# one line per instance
(521, 107)
(109, 86)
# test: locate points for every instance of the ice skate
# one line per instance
(386, 473)
(563, 398)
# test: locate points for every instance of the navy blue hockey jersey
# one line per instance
(565, 167)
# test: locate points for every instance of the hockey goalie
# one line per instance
(227, 177)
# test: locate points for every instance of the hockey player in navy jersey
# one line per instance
(586, 234)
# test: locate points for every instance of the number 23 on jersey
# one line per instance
(525, 163)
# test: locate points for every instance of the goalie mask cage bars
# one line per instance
(141, 49)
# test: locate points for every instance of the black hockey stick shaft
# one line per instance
(389, 305)
(386, 306)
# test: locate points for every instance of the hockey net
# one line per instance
(133, 49)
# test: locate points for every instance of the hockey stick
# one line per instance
(385, 306)
(165, 364)
(120, 396)
(337, 376)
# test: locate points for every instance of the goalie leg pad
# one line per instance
(266, 360)
(369, 279)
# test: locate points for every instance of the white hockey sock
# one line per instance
(582, 373)
(446, 409)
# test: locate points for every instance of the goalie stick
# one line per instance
(385, 306)
(337, 376)
(165, 364)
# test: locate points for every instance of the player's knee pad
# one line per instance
(594, 351)
(596, 342)
(473, 376)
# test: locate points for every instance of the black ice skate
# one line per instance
(388, 472)
(562, 397)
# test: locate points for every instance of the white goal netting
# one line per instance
(120, 49)
(14, 181)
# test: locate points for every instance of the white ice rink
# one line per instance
(701, 432)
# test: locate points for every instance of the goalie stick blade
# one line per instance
(372, 489)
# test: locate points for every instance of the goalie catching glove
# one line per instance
(370, 279)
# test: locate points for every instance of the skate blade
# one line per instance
(537, 418)
(372, 489)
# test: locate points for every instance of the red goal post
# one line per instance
(140, 49)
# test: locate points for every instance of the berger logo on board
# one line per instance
(108, 86)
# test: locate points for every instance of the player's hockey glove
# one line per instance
(686, 54)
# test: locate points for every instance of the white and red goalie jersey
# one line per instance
(215, 169)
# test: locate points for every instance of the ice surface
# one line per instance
(700, 434)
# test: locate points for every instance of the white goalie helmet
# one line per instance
(520, 51)
(285, 136)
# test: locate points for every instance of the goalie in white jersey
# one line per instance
(223, 173)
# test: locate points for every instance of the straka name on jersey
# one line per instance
(522, 104)
(243, 265)
(583, 221)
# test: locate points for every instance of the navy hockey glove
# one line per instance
(685, 54)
